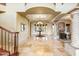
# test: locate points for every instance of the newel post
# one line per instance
(16, 52)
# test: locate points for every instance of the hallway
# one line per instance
(39, 29)
(43, 48)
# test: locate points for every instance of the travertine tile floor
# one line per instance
(42, 48)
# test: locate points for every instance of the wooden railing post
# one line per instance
(16, 43)
(1, 39)
(7, 37)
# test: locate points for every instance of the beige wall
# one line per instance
(11, 20)
(23, 35)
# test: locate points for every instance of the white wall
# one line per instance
(8, 19)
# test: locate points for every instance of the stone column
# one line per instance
(75, 29)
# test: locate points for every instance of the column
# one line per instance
(55, 32)
(75, 29)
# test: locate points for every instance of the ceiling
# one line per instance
(39, 13)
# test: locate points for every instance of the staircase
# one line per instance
(8, 42)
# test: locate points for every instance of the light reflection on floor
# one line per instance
(43, 48)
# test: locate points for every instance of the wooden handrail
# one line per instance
(6, 29)
(12, 36)
(3, 4)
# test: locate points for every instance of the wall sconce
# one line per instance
(22, 27)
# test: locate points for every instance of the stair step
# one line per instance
(4, 52)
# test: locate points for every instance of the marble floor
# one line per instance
(43, 48)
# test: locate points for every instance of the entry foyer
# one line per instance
(39, 29)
